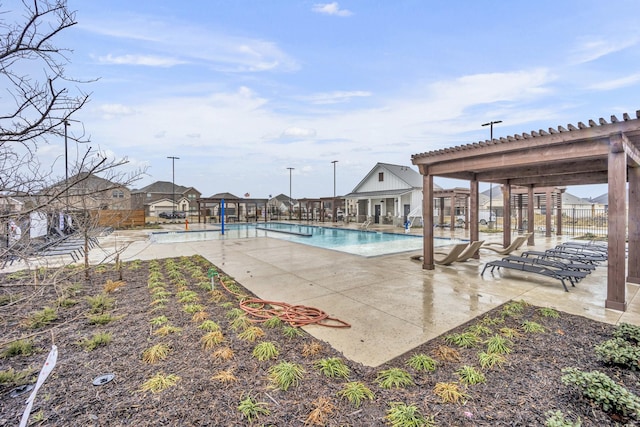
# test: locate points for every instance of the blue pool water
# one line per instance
(357, 242)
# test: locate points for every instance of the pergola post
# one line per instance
(474, 232)
(634, 226)
(531, 216)
(427, 219)
(617, 174)
(506, 214)
(548, 208)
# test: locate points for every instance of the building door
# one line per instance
(407, 209)
(376, 217)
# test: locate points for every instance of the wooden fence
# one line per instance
(119, 218)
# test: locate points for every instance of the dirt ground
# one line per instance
(211, 382)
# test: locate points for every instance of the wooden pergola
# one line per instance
(592, 153)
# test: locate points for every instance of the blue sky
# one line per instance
(242, 90)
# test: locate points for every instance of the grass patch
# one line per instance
(156, 353)
(252, 409)
(285, 375)
(355, 392)
(41, 318)
(333, 367)
(159, 382)
(19, 348)
(265, 351)
(394, 378)
(97, 340)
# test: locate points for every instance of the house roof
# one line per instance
(410, 176)
(164, 187)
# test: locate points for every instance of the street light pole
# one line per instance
(333, 204)
(290, 199)
(173, 181)
(66, 154)
(490, 124)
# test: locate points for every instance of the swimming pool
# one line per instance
(358, 242)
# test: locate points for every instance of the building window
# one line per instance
(117, 194)
(380, 176)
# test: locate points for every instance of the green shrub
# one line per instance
(617, 351)
(355, 392)
(101, 338)
(402, 415)
(489, 360)
(557, 419)
(285, 375)
(422, 362)
(19, 348)
(394, 377)
(464, 339)
(532, 327)
(251, 409)
(499, 344)
(265, 351)
(470, 375)
(41, 318)
(603, 391)
(333, 367)
(100, 303)
(628, 332)
(548, 312)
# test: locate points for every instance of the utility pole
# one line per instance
(333, 204)
(490, 124)
(290, 199)
(173, 168)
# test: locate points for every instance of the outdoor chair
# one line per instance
(470, 251)
(530, 268)
(515, 245)
(449, 257)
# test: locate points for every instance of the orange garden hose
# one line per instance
(260, 310)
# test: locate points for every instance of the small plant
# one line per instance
(292, 332)
(193, 308)
(470, 375)
(224, 353)
(211, 339)
(167, 330)
(159, 321)
(510, 332)
(15, 378)
(214, 296)
(209, 325)
(333, 367)
(99, 339)
(422, 362)
(187, 297)
(102, 319)
(464, 340)
(112, 286)
(100, 303)
(199, 317)
(628, 332)
(251, 334)
(19, 348)
(449, 392)
(311, 349)
(225, 377)
(394, 377)
(492, 321)
(499, 344)
(479, 329)
(532, 327)
(273, 322)
(159, 382)
(557, 419)
(240, 323)
(234, 313)
(265, 351)
(41, 318)
(447, 354)
(252, 409)
(227, 304)
(355, 392)
(603, 391)
(285, 375)
(321, 411)
(402, 415)
(156, 353)
(548, 312)
(617, 351)
(489, 360)
(513, 309)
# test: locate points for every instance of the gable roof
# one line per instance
(164, 187)
(410, 176)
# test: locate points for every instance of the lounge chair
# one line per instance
(529, 268)
(449, 257)
(515, 245)
(365, 224)
(470, 251)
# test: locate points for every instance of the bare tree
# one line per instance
(35, 108)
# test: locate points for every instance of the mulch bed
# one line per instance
(519, 393)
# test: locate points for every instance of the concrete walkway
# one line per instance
(392, 304)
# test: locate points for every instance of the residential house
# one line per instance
(386, 195)
(163, 196)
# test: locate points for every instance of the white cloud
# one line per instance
(336, 97)
(617, 83)
(298, 133)
(331, 9)
(592, 50)
(146, 60)
(109, 111)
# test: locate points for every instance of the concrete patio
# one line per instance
(392, 304)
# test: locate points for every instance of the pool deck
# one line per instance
(392, 304)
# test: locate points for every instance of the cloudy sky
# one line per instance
(242, 90)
